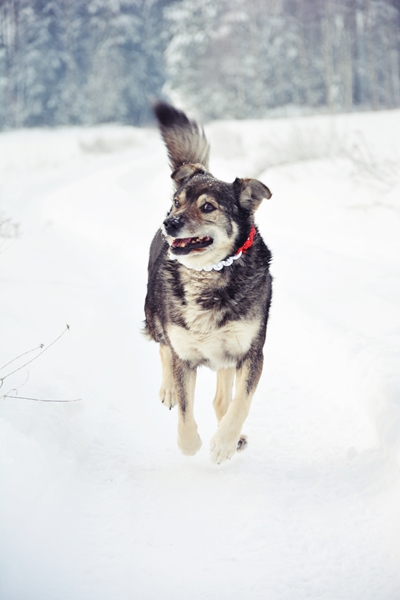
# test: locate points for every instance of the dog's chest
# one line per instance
(197, 318)
(201, 310)
(203, 338)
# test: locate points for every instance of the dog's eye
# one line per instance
(176, 203)
(207, 207)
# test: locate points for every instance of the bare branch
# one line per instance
(6, 396)
(29, 361)
(14, 389)
(13, 393)
(21, 355)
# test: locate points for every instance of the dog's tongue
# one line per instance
(181, 241)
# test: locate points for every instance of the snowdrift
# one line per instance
(96, 501)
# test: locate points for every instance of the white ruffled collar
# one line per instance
(215, 267)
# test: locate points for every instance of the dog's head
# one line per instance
(210, 219)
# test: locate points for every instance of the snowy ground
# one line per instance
(96, 501)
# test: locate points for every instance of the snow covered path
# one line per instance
(96, 501)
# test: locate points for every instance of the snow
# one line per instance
(96, 500)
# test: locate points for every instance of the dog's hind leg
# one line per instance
(223, 395)
(228, 439)
(167, 390)
(189, 440)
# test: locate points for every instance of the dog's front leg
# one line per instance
(167, 391)
(223, 395)
(225, 442)
(189, 440)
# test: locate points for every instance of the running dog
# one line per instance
(209, 288)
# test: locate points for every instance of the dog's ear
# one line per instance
(251, 193)
(186, 171)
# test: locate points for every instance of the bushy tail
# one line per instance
(185, 140)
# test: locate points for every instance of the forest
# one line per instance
(75, 62)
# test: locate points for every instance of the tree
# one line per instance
(69, 62)
(229, 59)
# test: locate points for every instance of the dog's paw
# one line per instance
(222, 447)
(242, 443)
(168, 396)
(189, 444)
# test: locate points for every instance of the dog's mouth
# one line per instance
(186, 245)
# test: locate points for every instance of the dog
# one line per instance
(209, 288)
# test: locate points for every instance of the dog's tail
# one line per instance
(185, 140)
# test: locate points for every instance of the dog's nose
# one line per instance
(173, 224)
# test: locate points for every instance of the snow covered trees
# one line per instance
(242, 60)
(80, 62)
(70, 62)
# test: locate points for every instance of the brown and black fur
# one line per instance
(212, 318)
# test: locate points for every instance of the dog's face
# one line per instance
(201, 227)
(209, 219)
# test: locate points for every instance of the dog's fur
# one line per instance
(216, 318)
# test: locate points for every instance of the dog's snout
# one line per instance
(173, 224)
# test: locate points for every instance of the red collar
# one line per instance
(248, 242)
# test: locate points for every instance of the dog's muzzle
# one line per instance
(173, 225)
(184, 245)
